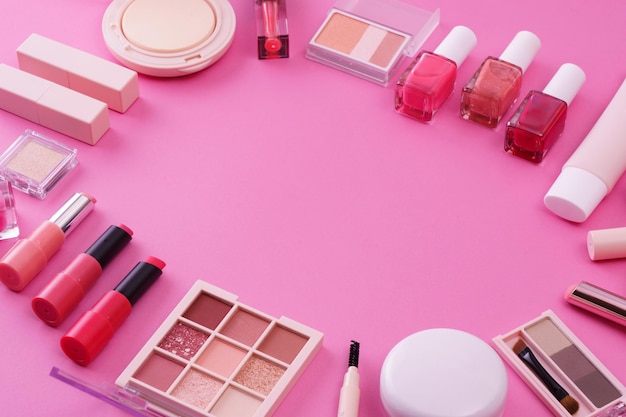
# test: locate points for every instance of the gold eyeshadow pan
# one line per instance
(212, 357)
(569, 362)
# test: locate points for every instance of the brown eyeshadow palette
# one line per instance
(212, 356)
(593, 389)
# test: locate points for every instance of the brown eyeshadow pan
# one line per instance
(245, 327)
(207, 311)
(159, 372)
(282, 344)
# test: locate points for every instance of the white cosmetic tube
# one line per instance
(594, 168)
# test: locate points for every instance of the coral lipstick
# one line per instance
(67, 288)
(21, 264)
(93, 330)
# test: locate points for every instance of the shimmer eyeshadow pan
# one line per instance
(568, 361)
(35, 163)
(214, 356)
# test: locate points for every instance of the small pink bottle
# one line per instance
(429, 80)
(540, 118)
(497, 84)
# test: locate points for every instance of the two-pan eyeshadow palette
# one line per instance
(214, 356)
(569, 362)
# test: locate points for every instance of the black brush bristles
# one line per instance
(353, 359)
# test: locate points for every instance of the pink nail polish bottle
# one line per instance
(540, 118)
(496, 85)
(429, 80)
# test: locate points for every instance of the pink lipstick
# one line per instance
(67, 288)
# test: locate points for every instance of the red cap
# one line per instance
(57, 299)
(93, 330)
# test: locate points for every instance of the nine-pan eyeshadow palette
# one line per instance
(211, 357)
(214, 356)
(570, 365)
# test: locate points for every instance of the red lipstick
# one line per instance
(93, 330)
(67, 288)
(28, 256)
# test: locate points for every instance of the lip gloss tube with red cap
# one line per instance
(57, 299)
(93, 330)
(28, 256)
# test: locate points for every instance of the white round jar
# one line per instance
(443, 373)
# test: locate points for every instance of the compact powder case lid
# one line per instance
(168, 38)
(443, 373)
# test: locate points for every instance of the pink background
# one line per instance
(299, 188)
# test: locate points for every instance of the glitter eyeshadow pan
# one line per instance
(34, 163)
(216, 357)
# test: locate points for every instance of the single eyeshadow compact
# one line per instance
(34, 163)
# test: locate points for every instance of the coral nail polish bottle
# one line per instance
(496, 85)
(429, 80)
(540, 118)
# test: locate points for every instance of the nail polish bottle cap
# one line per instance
(522, 49)
(606, 244)
(575, 194)
(565, 84)
(457, 45)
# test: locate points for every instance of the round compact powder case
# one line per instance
(168, 38)
(443, 373)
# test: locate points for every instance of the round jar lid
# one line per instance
(443, 373)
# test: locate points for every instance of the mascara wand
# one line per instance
(350, 392)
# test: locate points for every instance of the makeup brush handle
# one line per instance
(531, 361)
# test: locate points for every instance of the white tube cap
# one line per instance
(522, 49)
(566, 83)
(575, 194)
(457, 45)
(443, 373)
